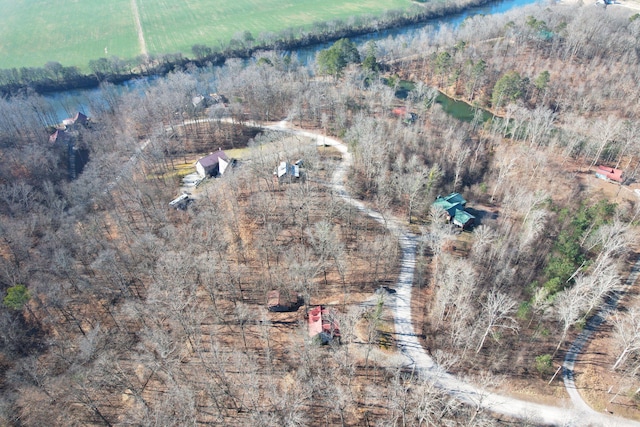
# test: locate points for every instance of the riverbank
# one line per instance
(632, 5)
(57, 79)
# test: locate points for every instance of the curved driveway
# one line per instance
(407, 339)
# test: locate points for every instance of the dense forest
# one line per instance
(118, 309)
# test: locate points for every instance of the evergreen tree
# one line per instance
(334, 59)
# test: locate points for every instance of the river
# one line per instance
(66, 103)
(307, 53)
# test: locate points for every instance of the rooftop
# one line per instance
(610, 173)
(454, 204)
(212, 158)
(451, 203)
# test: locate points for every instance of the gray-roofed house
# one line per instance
(78, 119)
(68, 138)
(212, 165)
(65, 131)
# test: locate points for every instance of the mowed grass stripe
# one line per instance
(73, 32)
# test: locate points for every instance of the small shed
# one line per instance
(406, 116)
(180, 202)
(399, 111)
(199, 100)
(607, 173)
(287, 172)
(217, 98)
(281, 302)
(287, 169)
(212, 165)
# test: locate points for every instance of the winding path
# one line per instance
(415, 354)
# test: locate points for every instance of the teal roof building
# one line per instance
(454, 204)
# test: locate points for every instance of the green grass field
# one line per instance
(73, 32)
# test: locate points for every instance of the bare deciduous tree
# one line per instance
(626, 328)
(570, 305)
(496, 314)
(605, 131)
(505, 169)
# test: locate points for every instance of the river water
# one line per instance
(68, 102)
(307, 53)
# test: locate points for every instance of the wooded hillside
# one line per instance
(118, 309)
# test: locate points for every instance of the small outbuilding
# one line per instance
(287, 169)
(407, 117)
(281, 302)
(181, 202)
(288, 172)
(217, 98)
(214, 164)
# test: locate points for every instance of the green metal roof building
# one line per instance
(454, 204)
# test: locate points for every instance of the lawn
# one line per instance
(73, 32)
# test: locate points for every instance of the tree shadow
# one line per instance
(482, 215)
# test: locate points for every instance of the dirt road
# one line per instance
(592, 325)
(407, 339)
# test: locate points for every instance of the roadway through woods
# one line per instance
(592, 325)
(136, 18)
(414, 352)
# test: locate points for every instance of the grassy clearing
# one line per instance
(73, 32)
(33, 32)
(179, 170)
(238, 153)
(176, 26)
